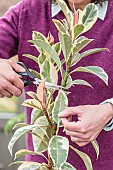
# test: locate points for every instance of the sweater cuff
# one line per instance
(109, 125)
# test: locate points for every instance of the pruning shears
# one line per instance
(34, 80)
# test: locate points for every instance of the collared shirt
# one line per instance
(101, 8)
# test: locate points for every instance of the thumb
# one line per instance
(69, 111)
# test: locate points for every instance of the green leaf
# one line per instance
(48, 48)
(77, 57)
(98, 71)
(67, 166)
(18, 133)
(35, 73)
(66, 43)
(58, 150)
(92, 51)
(31, 57)
(40, 142)
(23, 152)
(80, 45)
(96, 147)
(59, 25)
(18, 163)
(33, 103)
(77, 30)
(86, 159)
(18, 125)
(80, 82)
(68, 14)
(38, 36)
(60, 104)
(69, 82)
(35, 114)
(57, 48)
(42, 57)
(88, 16)
(49, 72)
(29, 166)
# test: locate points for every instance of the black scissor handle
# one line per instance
(26, 82)
(27, 72)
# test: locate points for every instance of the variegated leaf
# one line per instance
(98, 71)
(23, 152)
(18, 125)
(41, 59)
(69, 82)
(68, 14)
(77, 30)
(35, 114)
(58, 150)
(32, 94)
(40, 142)
(18, 163)
(66, 43)
(33, 103)
(48, 48)
(35, 73)
(29, 166)
(38, 36)
(80, 82)
(86, 159)
(96, 147)
(59, 25)
(88, 16)
(49, 72)
(31, 57)
(57, 47)
(80, 45)
(77, 57)
(18, 133)
(60, 104)
(67, 166)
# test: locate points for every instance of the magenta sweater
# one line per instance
(35, 15)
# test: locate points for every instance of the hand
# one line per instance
(10, 83)
(91, 121)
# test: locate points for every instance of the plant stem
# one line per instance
(66, 72)
(54, 126)
(47, 116)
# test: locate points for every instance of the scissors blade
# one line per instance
(48, 85)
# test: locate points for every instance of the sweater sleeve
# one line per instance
(9, 32)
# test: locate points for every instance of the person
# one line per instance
(16, 28)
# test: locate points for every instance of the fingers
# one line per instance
(10, 83)
(73, 126)
(8, 89)
(69, 111)
(16, 67)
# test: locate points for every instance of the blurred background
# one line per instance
(11, 112)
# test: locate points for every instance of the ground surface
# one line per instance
(5, 4)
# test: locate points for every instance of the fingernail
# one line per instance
(22, 69)
(60, 114)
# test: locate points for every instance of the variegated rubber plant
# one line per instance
(45, 122)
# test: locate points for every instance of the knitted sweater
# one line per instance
(35, 15)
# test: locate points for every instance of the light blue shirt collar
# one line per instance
(101, 8)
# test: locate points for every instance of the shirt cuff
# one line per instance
(109, 125)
